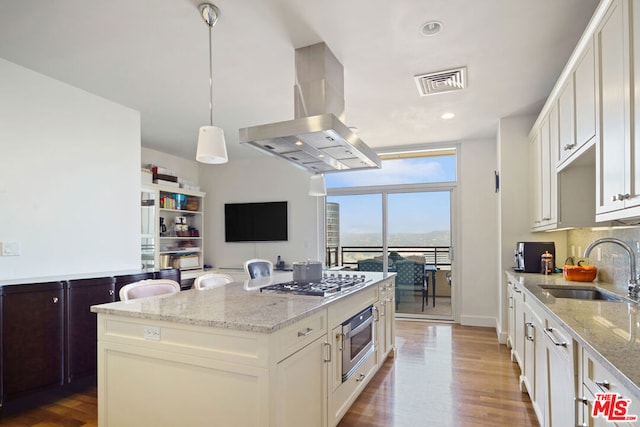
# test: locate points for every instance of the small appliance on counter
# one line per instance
(529, 254)
(307, 271)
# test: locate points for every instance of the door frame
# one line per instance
(384, 191)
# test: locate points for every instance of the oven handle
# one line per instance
(360, 328)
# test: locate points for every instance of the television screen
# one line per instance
(255, 222)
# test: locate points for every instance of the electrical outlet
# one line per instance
(152, 333)
(599, 254)
(9, 248)
(573, 250)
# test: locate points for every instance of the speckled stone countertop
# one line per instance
(609, 330)
(231, 306)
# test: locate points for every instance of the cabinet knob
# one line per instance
(568, 147)
(111, 292)
(55, 300)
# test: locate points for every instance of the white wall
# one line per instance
(477, 234)
(260, 179)
(69, 180)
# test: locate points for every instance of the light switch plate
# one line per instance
(10, 248)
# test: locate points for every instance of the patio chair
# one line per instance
(410, 277)
(370, 265)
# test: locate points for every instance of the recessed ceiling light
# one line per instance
(431, 28)
(447, 116)
(298, 143)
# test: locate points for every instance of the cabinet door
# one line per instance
(519, 327)
(301, 398)
(390, 319)
(510, 318)
(32, 337)
(536, 179)
(585, 97)
(545, 173)
(561, 387)
(566, 121)
(171, 274)
(82, 323)
(540, 377)
(125, 279)
(612, 74)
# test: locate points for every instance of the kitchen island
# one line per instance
(597, 341)
(233, 356)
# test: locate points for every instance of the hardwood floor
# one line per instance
(443, 375)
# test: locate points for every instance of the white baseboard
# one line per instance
(485, 321)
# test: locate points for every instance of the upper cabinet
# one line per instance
(618, 71)
(596, 103)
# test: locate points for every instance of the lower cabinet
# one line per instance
(302, 386)
(596, 379)
(385, 320)
(82, 324)
(548, 363)
(48, 335)
(32, 338)
(561, 373)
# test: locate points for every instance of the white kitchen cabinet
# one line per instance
(615, 168)
(577, 109)
(560, 398)
(172, 229)
(516, 323)
(385, 321)
(533, 362)
(302, 386)
(510, 315)
(536, 180)
(598, 379)
(544, 177)
(566, 122)
(585, 97)
(538, 392)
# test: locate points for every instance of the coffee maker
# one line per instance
(529, 254)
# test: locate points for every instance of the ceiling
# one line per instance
(152, 56)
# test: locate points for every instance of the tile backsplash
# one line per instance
(613, 266)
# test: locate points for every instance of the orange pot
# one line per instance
(580, 273)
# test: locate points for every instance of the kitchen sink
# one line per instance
(584, 293)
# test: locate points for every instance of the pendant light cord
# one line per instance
(210, 80)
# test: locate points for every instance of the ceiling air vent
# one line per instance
(442, 81)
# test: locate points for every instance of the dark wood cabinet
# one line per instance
(171, 274)
(33, 337)
(48, 334)
(125, 279)
(82, 323)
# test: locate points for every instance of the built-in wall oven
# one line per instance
(357, 341)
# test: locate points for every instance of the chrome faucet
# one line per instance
(633, 287)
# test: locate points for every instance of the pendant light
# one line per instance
(212, 148)
(317, 186)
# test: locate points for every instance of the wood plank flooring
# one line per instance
(443, 375)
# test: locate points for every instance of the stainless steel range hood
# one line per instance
(317, 139)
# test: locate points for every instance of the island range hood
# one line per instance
(317, 139)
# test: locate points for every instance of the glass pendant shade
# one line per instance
(317, 186)
(211, 146)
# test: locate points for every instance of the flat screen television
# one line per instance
(255, 222)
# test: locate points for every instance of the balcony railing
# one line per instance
(350, 255)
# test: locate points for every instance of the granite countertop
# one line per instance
(238, 306)
(609, 330)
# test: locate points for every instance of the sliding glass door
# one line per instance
(419, 244)
(406, 232)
